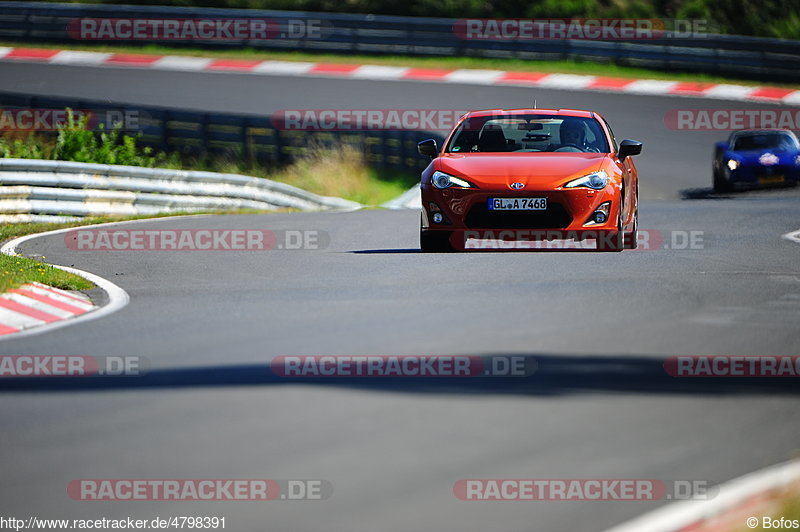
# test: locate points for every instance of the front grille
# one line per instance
(769, 171)
(555, 217)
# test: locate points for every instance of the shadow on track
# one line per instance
(386, 251)
(703, 193)
(554, 375)
(741, 192)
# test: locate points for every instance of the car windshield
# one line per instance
(765, 141)
(529, 133)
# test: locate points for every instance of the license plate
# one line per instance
(771, 180)
(517, 204)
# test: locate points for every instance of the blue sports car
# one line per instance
(757, 157)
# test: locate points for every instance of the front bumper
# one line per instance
(568, 210)
(758, 175)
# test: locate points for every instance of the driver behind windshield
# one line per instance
(572, 134)
(529, 133)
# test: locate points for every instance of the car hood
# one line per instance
(550, 170)
(753, 156)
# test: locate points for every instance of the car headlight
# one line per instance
(733, 164)
(442, 180)
(595, 180)
(797, 160)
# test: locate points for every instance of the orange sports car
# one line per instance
(529, 175)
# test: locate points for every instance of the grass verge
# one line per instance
(17, 271)
(518, 65)
(788, 508)
(344, 173)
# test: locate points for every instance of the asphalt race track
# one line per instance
(599, 324)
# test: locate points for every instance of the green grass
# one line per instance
(520, 65)
(76, 141)
(788, 508)
(344, 173)
(17, 271)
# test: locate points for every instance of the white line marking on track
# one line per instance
(794, 236)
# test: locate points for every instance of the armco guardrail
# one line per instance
(251, 138)
(34, 190)
(772, 59)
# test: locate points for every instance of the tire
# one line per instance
(435, 241)
(629, 238)
(616, 242)
(721, 184)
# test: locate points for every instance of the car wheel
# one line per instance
(629, 238)
(615, 241)
(435, 241)
(720, 183)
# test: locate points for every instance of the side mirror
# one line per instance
(628, 148)
(428, 148)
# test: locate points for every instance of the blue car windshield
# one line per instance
(765, 141)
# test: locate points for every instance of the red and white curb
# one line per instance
(35, 308)
(722, 91)
(36, 304)
(739, 496)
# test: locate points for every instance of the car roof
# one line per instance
(761, 130)
(745, 132)
(514, 112)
